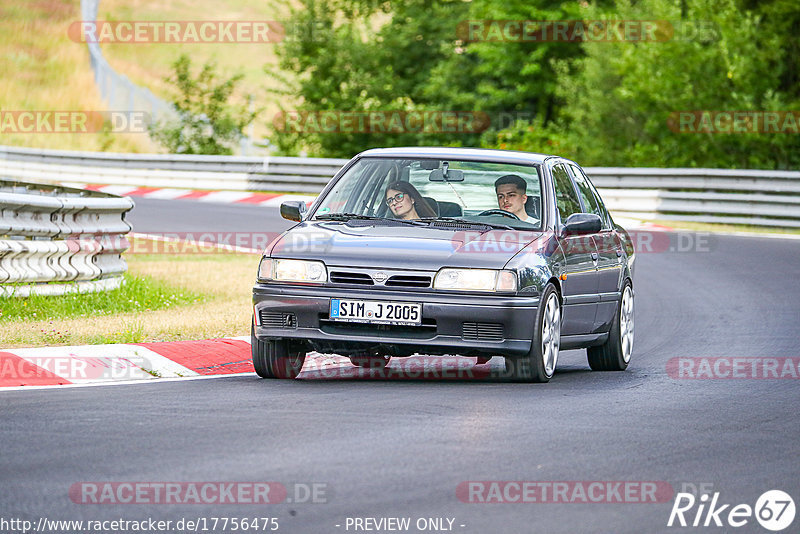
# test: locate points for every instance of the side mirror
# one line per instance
(582, 223)
(293, 210)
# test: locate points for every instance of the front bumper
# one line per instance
(443, 315)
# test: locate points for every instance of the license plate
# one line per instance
(377, 312)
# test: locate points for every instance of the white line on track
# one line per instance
(125, 383)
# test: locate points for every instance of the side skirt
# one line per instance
(582, 341)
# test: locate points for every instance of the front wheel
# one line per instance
(539, 364)
(274, 359)
(615, 353)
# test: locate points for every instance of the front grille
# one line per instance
(364, 279)
(402, 280)
(278, 319)
(482, 331)
(341, 277)
(426, 330)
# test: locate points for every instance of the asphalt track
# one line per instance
(400, 448)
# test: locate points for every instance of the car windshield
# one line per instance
(431, 190)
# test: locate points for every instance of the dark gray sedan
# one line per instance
(448, 251)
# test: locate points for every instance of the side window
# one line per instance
(590, 197)
(566, 198)
(587, 196)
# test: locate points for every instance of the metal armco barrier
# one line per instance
(753, 197)
(298, 175)
(56, 240)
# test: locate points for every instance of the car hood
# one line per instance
(402, 247)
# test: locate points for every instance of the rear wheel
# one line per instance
(275, 359)
(540, 363)
(615, 353)
(370, 362)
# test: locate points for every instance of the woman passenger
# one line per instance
(406, 203)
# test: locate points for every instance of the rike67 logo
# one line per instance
(774, 510)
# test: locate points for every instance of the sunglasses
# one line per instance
(397, 198)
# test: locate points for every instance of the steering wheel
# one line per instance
(496, 211)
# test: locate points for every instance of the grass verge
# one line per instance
(167, 298)
(137, 293)
(147, 64)
(43, 70)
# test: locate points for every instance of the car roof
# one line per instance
(477, 154)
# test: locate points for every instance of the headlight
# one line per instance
(280, 270)
(475, 280)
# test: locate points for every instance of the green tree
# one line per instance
(206, 121)
(354, 56)
(603, 103)
(619, 98)
(508, 79)
(358, 55)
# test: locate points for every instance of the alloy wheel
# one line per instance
(551, 334)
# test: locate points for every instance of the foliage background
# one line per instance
(601, 103)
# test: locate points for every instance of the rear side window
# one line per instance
(589, 195)
(566, 198)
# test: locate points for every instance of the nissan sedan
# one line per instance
(448, 251)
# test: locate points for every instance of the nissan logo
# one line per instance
(380, 277)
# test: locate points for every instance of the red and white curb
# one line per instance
(223, 197)
(99, 364)
(92, 365)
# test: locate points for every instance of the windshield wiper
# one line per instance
(349, 216)
(466, 221)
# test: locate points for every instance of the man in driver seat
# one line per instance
(511, 195)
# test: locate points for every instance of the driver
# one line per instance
(511, 195)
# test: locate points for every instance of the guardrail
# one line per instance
(759, 198)
(752, 197)
(297, 175)
(56, 240)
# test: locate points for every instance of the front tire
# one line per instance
(539, 364)
(615, 353)
(274, 359)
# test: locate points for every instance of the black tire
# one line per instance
(273, 359)
(532, 367)
(615, 353)
(370, 362)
